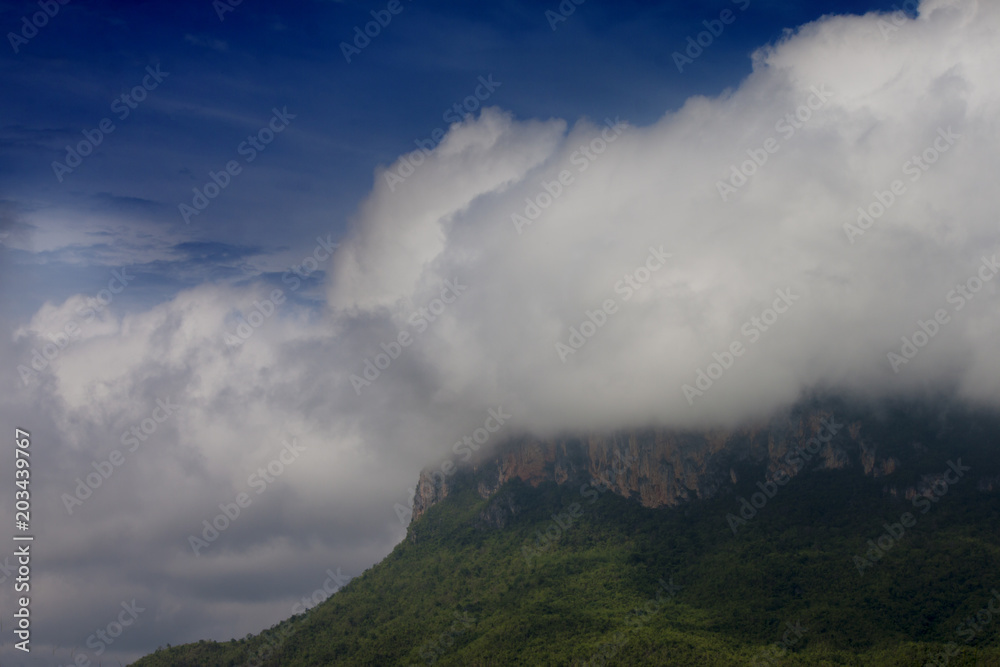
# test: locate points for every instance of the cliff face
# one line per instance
(666, 468)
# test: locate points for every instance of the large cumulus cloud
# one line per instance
(839, 109)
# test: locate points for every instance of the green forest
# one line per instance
(619, 584)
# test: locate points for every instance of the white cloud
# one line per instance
(892, 96)
(86, 238)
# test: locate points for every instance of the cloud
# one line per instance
(11, 225)
(231, 409)
(397, 236)
(105, 236)
(208, 42)
(834, 114)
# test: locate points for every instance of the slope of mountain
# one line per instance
(875, 544)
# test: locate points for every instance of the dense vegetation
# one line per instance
(625, 585)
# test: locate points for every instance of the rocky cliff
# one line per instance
(666, 468)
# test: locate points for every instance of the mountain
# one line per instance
(832, 534)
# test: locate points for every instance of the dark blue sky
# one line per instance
(226, 76)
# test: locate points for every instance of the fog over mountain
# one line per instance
(755, 196)
(571, 273)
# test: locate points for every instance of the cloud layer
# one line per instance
(756, 191)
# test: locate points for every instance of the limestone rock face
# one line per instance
(430, 490)
(872, 464)
(665, 468)
(500, 509)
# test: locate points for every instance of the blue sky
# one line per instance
(225, 77)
